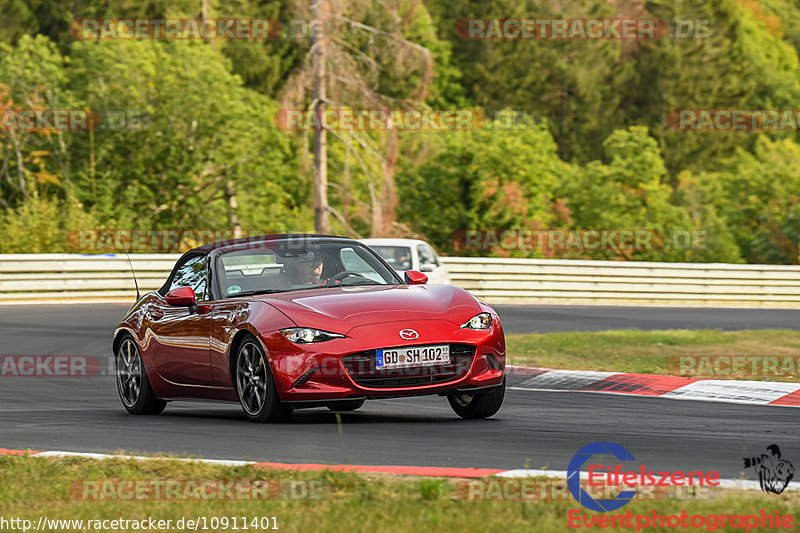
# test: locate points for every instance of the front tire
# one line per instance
(255, 385)
(134, 388)
(478, 404)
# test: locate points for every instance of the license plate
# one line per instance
(413, 356)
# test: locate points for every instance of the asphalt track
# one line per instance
(549, 318)
(533, 429)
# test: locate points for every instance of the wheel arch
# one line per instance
(240, 336)
(237, 340)
(248, 330)
(118, 336)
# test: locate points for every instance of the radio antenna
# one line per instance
(136, 283)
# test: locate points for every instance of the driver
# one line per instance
(310, 270)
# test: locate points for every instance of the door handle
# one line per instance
(156, 314)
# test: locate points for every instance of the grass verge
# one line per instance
(33, 487)
(648, 352)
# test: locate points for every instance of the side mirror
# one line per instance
(181, 297)
(415, 277)
(427, 267)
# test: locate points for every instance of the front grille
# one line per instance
(361, 367)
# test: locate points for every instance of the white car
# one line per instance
(411, 254)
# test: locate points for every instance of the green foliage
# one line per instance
(349, 502)
(199, 129)
(703, 73)
(32, 76)
(432, 489)
(484, 179)
(264, 65)
(33, 64)
(200, 135)
(627, 192)
(760, 198)
(700, 195)
(647, 352)
(575, 84)
(41, 224)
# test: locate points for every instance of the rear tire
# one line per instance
(134, 388)
(478, 404)
(255, 385)
(342, 407)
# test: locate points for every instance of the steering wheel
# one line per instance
(344, 274)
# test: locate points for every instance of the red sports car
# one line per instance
(282, 322)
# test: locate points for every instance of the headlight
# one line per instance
(481, 321)
(306, 335)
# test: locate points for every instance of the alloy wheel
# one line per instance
(251, 378)
(129, 373)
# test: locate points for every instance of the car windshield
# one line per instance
(398, 257)
(279, 267)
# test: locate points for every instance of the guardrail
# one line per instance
(497, 280)
(66, 276)
(626, 282)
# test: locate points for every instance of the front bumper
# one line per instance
(345, 368)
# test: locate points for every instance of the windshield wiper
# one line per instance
(357, 284)
(252, 293)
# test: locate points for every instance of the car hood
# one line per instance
(339, 309)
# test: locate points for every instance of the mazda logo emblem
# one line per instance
(408, 334)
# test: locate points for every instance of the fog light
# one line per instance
(304, 378)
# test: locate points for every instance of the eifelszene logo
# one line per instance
(774, 473)
(607, 476)
(574, 476)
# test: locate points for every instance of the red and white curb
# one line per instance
(429, 471)
(653, 385)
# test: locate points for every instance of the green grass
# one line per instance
(32, 487)
(645, 352)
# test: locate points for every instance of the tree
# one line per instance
(359, 65)
(760, 194)
(576, 85)
(489, 179)
(34, 161)
(197, 136)
(627, 190)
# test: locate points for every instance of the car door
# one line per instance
(181, 351)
